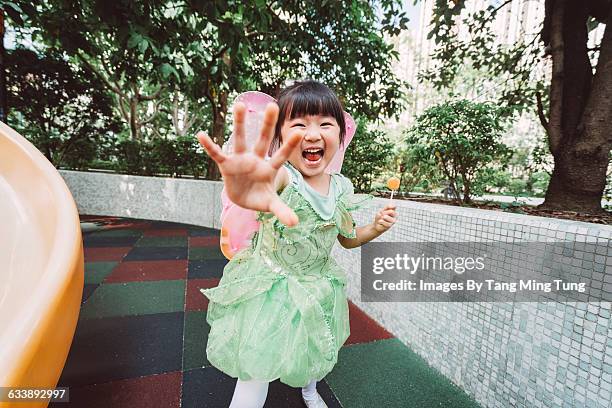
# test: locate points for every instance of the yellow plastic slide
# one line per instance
(41, 268)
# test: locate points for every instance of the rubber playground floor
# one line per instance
(142, 332)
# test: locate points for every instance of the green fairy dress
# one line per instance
(280, 309)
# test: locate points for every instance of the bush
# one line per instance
(366, 157)
(463, 137)
(172, 157)
(133, 157)
(164, 157)
(79, 153)
(192, 158)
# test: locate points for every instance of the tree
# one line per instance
(464, 138)
(579, 94)
(126, 44)
(14, 12)
(262, 44)
(204, 49)
(52, 105)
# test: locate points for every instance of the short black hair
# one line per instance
(307, 98)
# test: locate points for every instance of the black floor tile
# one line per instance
(211, 388)
(169, 225)
(88, 289)
(115, 348)
(207, 387)
(156, 253)
(100, 241)
(209, 268)
(203, 232)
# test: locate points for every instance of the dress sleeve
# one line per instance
(294, 176)
(348, 202)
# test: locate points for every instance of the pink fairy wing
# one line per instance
(239, 224)
(335, 165)
(255, 105)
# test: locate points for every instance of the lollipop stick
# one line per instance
(393, 184)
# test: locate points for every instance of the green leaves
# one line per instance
(61, 109)
(462, 137)
(366, 157)
(208, 51)
(167, 70)
(134, 40)
(513, 67)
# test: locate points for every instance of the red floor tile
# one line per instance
(105, 254)
(100, 218)
(195, 300)
(162, 390)
(138, 271)
(171, 232)
(364, 329)
(140, 225)
(204, 241)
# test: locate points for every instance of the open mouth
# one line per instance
(313, 155)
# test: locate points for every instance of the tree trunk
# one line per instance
(218, 133)
(577, 181)
(134, 118)
(467, 199)
(580, 134)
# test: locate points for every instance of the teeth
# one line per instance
(312, 150)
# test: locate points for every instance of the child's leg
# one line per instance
(309, 391)
(249, 394)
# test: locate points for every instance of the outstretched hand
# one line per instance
(249, 179)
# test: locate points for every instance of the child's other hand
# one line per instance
(248, 177)
(385, 218)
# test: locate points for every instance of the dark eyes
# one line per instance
(303, 125)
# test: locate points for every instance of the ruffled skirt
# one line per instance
(267, 325)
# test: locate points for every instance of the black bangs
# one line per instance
(308, 98)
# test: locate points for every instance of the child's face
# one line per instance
(318, 146)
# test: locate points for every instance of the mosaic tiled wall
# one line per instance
(155, 198)
(503, 354)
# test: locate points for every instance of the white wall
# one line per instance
(154, 198)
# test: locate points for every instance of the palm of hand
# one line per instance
(249, 180)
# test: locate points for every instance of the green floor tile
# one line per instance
(196, 336)
(135, 298)
(91, 227)
(386, 373)
(162, 242)
(203, 253)
(117, 233)
(95, 272)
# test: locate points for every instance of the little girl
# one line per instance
(280, 310)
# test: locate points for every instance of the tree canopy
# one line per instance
(175, 63)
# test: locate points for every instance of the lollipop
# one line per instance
(393, 184)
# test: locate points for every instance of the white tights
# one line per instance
(253, 393)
